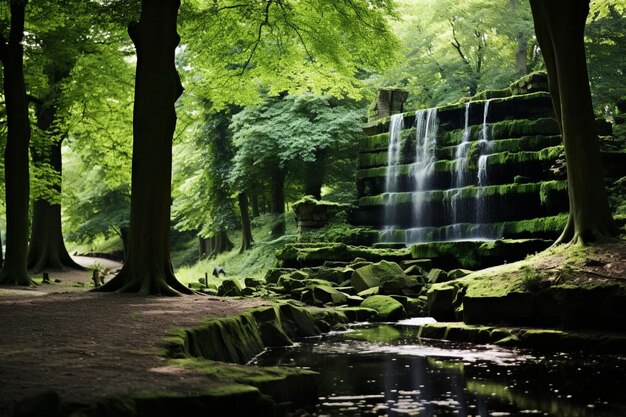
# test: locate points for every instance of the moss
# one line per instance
(388, 308)
(375, 274)
(300, 255)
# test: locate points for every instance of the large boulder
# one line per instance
(271, 277)
(388, 308)
(229, 288)
(323, 294)
(372, 275)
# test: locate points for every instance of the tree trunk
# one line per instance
(278, 200)
(254, 199)
(1, 251)
(16, 151)
(521, 52)
(220, 243)
(204, 247)
(47, 249)
(314, 178)
(157, 87)
(246, 230)
(560, 25)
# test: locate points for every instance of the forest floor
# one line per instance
(86, 346)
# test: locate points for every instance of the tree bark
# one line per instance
(16, 151)
(277, 204)
(47, 249)
(559, 26)
(246, 230)
(314, 177)
(220, 243)
(157, 87)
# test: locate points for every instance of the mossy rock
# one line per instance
(298, 321)
(272, 275)
(388, 308)
(334, 275)
(413, 306)
(229, 288)
(229, 339)
(360, 314)
(253, 283)
(373, 275)
(270, 327)
(319, 295)
(307, 255)
(369, 292)
(436, 276)
(290, 284)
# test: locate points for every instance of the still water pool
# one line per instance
(385, 370)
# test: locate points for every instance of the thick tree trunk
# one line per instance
(560, 25)
(16, 151)
(246, 230)
(277, 205)
(148, 269)
(47, 249)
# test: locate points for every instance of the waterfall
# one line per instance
(394, 159)
(460, 157)
(482, 177)
(422, 169)
(458, 177)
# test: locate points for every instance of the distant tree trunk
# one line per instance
(246, 230)
(278, 200)
(314, 178)
(16, 151)
(148, 269)
(204, 247)
(1, 251)
(220, 243)
(560, 26)
(263, 204)
(521, 52)
(47, 249)
(521, 55)
(254, 199)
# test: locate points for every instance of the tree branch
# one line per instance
(456, 44)
(265, 22)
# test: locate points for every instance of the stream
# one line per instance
(386, 370)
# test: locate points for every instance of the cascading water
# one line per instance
(482, 177)
(394, 159)
(459, 179)
(459, 220)
(422, 170)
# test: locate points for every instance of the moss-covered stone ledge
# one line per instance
(521, 337)
(299, 255)
(562, 287)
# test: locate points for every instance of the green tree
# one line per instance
(454, 49)
(16, 150)
(148, 269)
(560, 26)
(203, 202)
(303, 134)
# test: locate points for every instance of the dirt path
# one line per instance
(86, 345)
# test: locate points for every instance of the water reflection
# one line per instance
(387, 371)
